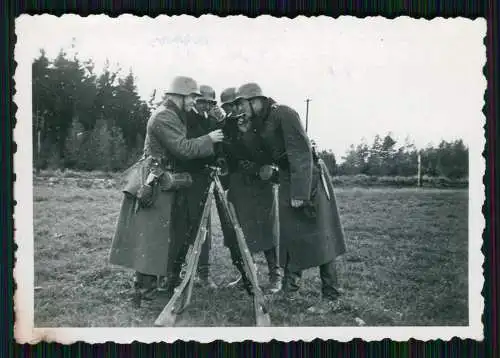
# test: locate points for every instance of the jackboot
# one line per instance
(275, 276)
(291, 283)
(330, 301)
(329, 280)
(174, 275)
(144, 288)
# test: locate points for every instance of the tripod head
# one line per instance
(216, 171)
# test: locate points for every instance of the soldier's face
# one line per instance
(244, 107)
(203, 106)
(189, 102)
(226, 108)
(230, 108)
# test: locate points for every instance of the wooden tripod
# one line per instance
(183, 293)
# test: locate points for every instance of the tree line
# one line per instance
(82, 120)
(384, 157)
(85, 121)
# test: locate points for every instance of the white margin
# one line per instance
(25, 332)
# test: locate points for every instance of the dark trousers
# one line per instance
(271, 258)
(174, 271)
(328, 275)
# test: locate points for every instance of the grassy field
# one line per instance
(406, 264)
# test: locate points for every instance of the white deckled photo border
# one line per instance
(25, 332)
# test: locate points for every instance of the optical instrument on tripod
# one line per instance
(183, 293)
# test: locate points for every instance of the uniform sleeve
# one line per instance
(299, 154)
(171, 133)
(229, 144)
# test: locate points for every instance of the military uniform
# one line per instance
(142, 238)
(311, 235)
(148, 239)
(252, 197)
(229, 153)
(199, 124)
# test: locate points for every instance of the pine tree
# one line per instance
(387, 155)
(374, 162)
(74, 145)
(42, 109)
(117, 156)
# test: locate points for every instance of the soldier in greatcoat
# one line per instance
(311, 234)
(201, 121)
(152, 228)
(231, 136)
(252, 197)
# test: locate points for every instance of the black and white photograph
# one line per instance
(248, 178)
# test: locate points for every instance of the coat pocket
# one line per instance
(134, 178)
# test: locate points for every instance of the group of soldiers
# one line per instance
(262, 145)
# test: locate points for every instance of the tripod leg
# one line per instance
(169, 313)
(182, 294)
(276, 222)
(168, 316)
(262, 317)
(195, 257)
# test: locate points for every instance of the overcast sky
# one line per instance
(414, 78)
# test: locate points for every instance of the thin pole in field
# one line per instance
(419, 170)
(307, 113)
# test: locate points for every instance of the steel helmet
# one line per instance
(249, 91)
(207, 93)
(184, 86)
(228, 95)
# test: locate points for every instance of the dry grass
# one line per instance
(406, 264)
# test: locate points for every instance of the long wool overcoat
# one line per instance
(148, 239)
(252, 197)
(312, 235)
(198, 126)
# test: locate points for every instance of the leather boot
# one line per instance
(291, 282)
(275, 276)
(144, 288)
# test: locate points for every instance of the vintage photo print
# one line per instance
(183, 178)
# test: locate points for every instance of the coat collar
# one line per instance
(172, 106)
(261, 118)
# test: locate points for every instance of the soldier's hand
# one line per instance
(216, 112)
(216, 136)
(297, 203)
(266, 172)
(145, 196)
